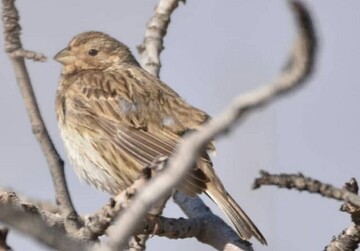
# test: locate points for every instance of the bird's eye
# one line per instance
(93, 52)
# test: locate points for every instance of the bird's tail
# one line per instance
(244, 226)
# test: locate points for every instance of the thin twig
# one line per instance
(299, 67)
(32, 55)
(303, 183)
(153, 43)
(13, 48)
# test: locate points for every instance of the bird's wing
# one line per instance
(142, 124)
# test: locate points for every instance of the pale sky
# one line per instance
(214, 50)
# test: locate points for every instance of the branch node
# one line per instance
(32, 55)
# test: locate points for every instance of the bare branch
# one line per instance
(214, 231)
(14, 49)
(298, 69)
(303, 183)
(152, 45)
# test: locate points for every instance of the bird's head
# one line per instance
(93, 50)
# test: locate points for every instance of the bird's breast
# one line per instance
(87, 161)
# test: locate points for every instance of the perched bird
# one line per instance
(115, 118)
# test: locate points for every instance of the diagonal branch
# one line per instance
(13, 48)
(298, 69)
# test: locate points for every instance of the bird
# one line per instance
(115, 118)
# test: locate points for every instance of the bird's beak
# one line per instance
(65, 57)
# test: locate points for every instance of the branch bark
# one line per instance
(297, 70)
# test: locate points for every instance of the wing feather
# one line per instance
(131, 120)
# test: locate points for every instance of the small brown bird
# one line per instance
(115, 118)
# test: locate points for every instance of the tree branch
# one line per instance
(153, 43)
(299, 67)
(31, 55)
(303, 183)
(16, 53)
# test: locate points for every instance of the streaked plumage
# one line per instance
(115, 118)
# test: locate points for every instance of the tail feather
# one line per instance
(244, 226)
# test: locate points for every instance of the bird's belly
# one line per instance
(88, 163)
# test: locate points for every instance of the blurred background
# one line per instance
(214, 50)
